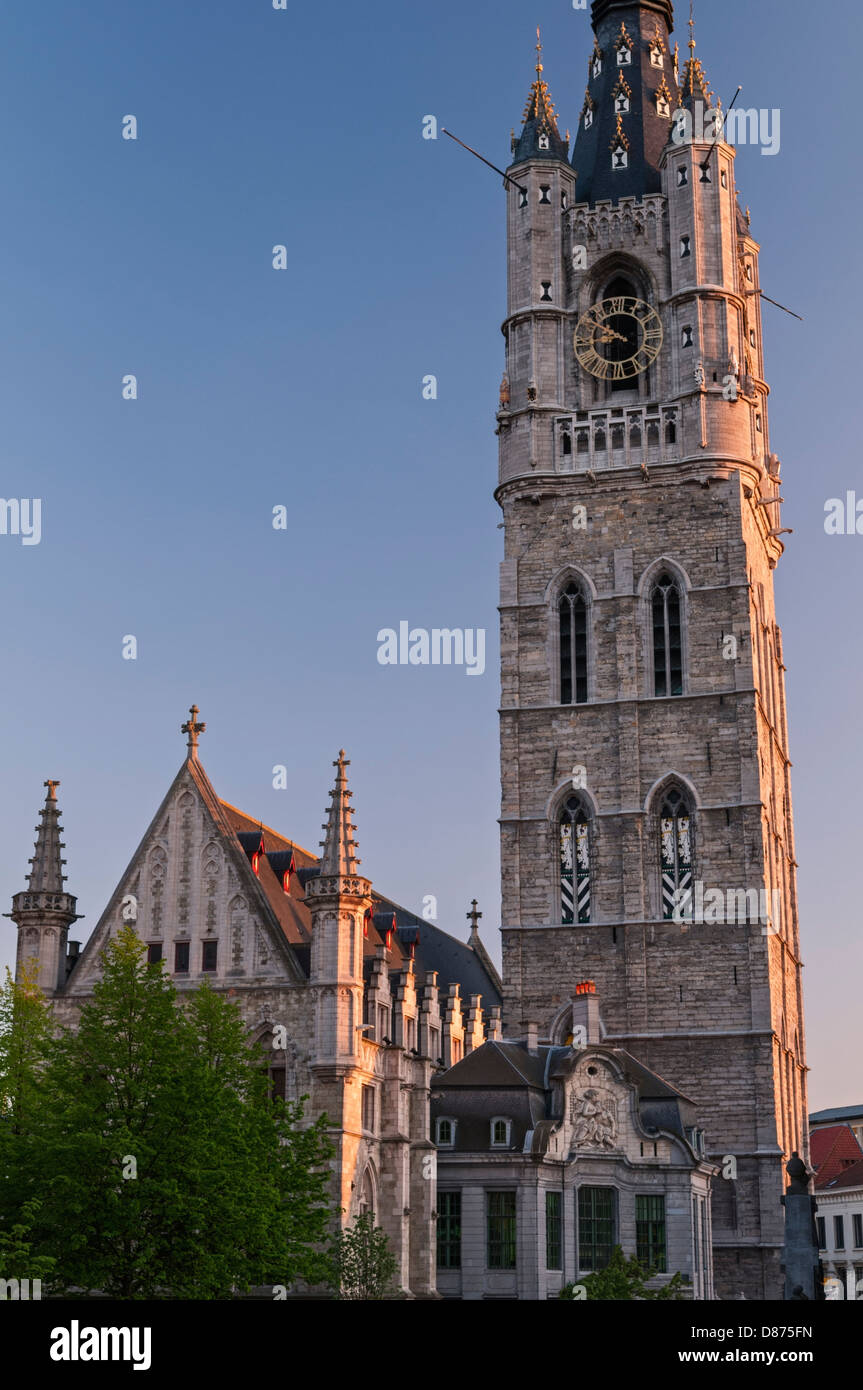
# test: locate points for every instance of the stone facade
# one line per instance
(332, 980)
(606, 489)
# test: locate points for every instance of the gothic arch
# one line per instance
(672, 808)
(570, 576)
(649, 585)
(367, 1192)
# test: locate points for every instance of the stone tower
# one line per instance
(646, 828)
(44, 912)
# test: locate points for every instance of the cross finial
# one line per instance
(473, 916)
(52, 789)
(538, 53)
(193, 729)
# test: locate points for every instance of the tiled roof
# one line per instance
(434, 949)
(852, 1176)
(833, 1150)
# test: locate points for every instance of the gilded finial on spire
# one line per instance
(538, 52)
(692, 26)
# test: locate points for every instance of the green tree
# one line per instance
(624, 1279)
(25, 1037)
(365, 1264)
(163, 1169)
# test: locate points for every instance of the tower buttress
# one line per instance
(44, 911)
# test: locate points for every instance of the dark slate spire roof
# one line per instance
(540, 122)
(46, 873)
(641, 29)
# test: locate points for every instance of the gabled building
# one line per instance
(354, 1001)
(837, 1158)
(549, 1156)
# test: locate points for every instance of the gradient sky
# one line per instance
(303, 388)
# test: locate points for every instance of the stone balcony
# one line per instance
(616, 437)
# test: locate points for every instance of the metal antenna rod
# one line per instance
(519, 186)
(778, 305)
(706, 165)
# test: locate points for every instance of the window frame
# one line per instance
(604, 1247)
(553, 1229)
(445, 1120)
(506, 1142)
(448, 1232)
(209, 948)
(651, 1231)
(501, 1228)
(178, 947)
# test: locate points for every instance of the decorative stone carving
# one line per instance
(594, 1116)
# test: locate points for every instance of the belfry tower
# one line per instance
(646, 825)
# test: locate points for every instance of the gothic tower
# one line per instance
(646, 829)
(44, 911)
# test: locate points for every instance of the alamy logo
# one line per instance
(738, 906)
(76, 1343)
(12, 1290)
(738, 126)
(442, 646)
(21, 517)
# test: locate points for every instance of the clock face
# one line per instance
(617, 339)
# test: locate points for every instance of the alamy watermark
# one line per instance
(735, 906)
(440, 646)
(21, 517)
(739, 126)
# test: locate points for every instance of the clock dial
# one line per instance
(618, 338)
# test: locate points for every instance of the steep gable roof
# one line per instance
(833, 1150)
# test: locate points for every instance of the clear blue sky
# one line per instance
(258, 388)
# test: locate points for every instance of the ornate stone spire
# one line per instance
(44, 911)
(540, 137)
(46, 873)
(339, 846)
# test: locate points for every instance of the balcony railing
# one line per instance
(616, 437)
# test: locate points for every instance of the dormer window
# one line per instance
(624, 56)
(656, 54)
(501, 1129)
(619, 157)
(663, 102)
(596, 60)
(588, 119)
(444, 1132)
(622, 94)
(543, 142)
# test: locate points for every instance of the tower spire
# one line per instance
(44, 911)
(46, 872)
(540, 137)
(339, 845)
(693, 84)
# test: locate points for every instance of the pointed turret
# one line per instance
(540, 137)
(694, 87)
(630, 98)
(339, 846)
(44, 911)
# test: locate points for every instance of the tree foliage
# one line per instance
(365, 1264)
(160, 1165)
(624, 1279)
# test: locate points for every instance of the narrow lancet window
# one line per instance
(667, 643)
(572, 611)
(574, 863)
(675, 838)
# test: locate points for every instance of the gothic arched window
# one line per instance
(675, 855)
(574, 834)
(572, 612)
(665, 608)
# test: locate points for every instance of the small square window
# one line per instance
(682, 177)
(209, 954)
(687, 337)
(522, 197)
(544, 191)
(624, 57)
(620, 158)
(588, 119)
(663, 107)
(154, 953)
(685, 247)
(181, 957)
(543, 142)
(656, 57)
(705, 172)
(597, 67)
